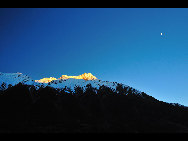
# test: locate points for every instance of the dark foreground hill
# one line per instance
(47, 110)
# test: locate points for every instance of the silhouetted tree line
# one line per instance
(25, 109)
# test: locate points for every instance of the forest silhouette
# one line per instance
(25, 109)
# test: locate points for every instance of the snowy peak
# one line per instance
(63, 82)
(85, 76)
(45, 80)
(14, 78)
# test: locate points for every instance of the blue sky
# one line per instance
(118, 44)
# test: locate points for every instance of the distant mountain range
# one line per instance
(64, 81)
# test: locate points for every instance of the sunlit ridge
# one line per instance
(45, 80)
(85, 76)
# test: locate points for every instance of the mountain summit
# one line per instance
(70, 82)
(85, 76)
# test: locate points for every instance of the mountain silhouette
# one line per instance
(104, 110)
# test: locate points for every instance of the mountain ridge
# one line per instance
(12, 79)
(53, 107)
(62, 82)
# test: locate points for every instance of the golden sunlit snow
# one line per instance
(45, 80)
(85, 76)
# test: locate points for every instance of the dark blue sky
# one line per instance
(122, 45)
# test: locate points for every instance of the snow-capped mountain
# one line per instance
(15, 78)
(60, 83)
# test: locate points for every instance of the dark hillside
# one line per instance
(25, 109)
